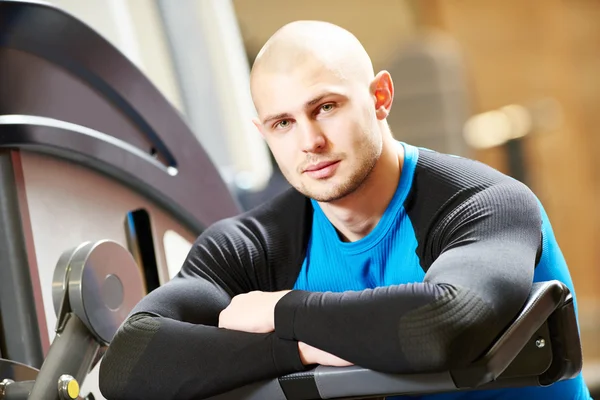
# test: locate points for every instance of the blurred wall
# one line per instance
(520, 53)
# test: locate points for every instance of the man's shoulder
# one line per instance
(287, 207)
(457, 171)
(444, 183)
(286, 214)
(267, 243)
(440, 177)
(452, 194)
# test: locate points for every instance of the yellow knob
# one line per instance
(73, 389)
(68, 387)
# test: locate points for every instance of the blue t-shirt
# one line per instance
(365, 264)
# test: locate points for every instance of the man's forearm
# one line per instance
(160, 358)
(389, 329)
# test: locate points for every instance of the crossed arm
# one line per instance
(254, 312)
(212, 328)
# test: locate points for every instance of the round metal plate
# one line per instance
(61, 276)
(16, 371)
(105, 283)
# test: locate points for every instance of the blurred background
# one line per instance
(514, 84)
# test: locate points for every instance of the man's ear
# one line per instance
(259, 126)
(382, 88)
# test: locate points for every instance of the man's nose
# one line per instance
(312, 138)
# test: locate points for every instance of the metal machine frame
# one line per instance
(134, 136)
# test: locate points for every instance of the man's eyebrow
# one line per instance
(308, 104)
(276, 116)
(321, 97)
(316, 100)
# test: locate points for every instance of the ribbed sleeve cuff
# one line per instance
(285, 313)
(286, 356)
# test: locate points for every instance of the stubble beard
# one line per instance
(330, 192)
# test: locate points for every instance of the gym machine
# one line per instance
(95, 287)
(86, 137)
(90, 150)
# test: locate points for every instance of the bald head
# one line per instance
(321, 108)
(313, 45)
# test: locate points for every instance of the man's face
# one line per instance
(321, 129)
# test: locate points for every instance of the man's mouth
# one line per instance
(322, 170)
(321, 165)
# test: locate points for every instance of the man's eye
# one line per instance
(327, 107)
(282, 124)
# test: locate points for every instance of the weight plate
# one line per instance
(105, 283)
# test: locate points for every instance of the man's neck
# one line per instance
(355, 215)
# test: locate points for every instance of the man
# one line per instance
(382, 255)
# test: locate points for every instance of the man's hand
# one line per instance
(252, 312)
(311, 355)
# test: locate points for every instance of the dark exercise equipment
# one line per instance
(89, 150)
(96, 285)
(85, 137)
